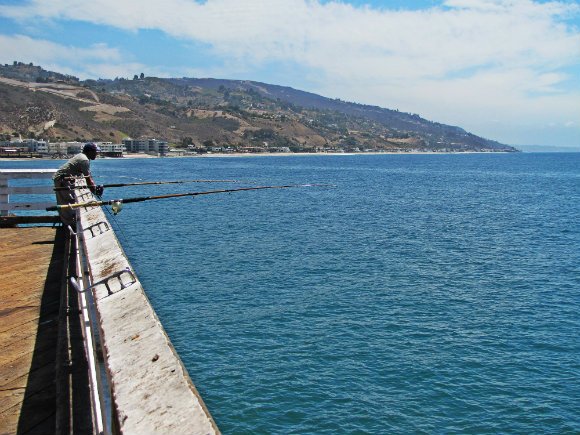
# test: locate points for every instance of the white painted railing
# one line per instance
(146, 389)
(102, 420)
(6, 189)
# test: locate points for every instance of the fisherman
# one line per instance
(79, 165)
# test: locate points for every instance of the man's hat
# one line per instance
(91, 147)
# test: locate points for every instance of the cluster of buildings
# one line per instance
(63, 149)
(236, 149)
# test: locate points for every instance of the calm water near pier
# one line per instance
(422, 294)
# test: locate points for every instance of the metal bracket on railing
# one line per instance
(87, 208)
(105, 281)
(98, 226)
(84, 195)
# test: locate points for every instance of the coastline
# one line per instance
(238, 155)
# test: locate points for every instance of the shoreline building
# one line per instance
(110, 149)
(146, 146)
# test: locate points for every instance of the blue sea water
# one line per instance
(422, 294)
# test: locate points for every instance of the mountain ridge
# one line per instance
(207, 112)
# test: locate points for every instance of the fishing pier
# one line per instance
(82, 348)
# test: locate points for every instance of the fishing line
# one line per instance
(117, 224)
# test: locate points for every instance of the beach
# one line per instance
(226, 155)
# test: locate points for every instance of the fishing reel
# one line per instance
(117, 206)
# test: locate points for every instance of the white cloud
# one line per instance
(341, 39)
(15, 46)
(453, 63)
(98, 60)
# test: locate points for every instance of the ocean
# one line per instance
(420, 294)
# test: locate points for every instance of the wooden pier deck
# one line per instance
(86, 355)
(31, 277)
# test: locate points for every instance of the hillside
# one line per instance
(211, 112)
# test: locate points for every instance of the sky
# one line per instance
(507, 70)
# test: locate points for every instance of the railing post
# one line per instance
(4, 197)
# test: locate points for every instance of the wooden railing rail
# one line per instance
(6, 189)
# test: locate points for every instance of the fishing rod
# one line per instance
(148, 182)
(117, 204)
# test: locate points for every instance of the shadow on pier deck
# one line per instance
(43, 385)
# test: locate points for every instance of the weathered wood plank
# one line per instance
(14, 317)
(29, 296)
(24, 190)
(11, 221)
(27, 205)
(13, 336)
(11, 397)
(28, 345)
